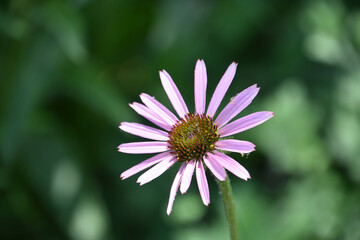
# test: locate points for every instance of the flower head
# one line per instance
(195, 140)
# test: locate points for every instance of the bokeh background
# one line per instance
(68, 70)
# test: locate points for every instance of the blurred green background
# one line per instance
(68, 70)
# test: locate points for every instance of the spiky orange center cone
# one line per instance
(192, 137)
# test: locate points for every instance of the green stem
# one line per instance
(228, 198)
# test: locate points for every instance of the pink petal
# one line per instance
(187, 176)
(221, 89)
(145, 164)
(157, 170)
(233, 145)
(236, 105)
(200, 86)
(245, 123)
(202, 183)
(232, 165)
(174, 188)
(150, 115)
(212, 163)
(143, 147)
(144, 131)
(160, 110)
(173, 93)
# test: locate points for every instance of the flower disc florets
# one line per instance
(192, 137)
